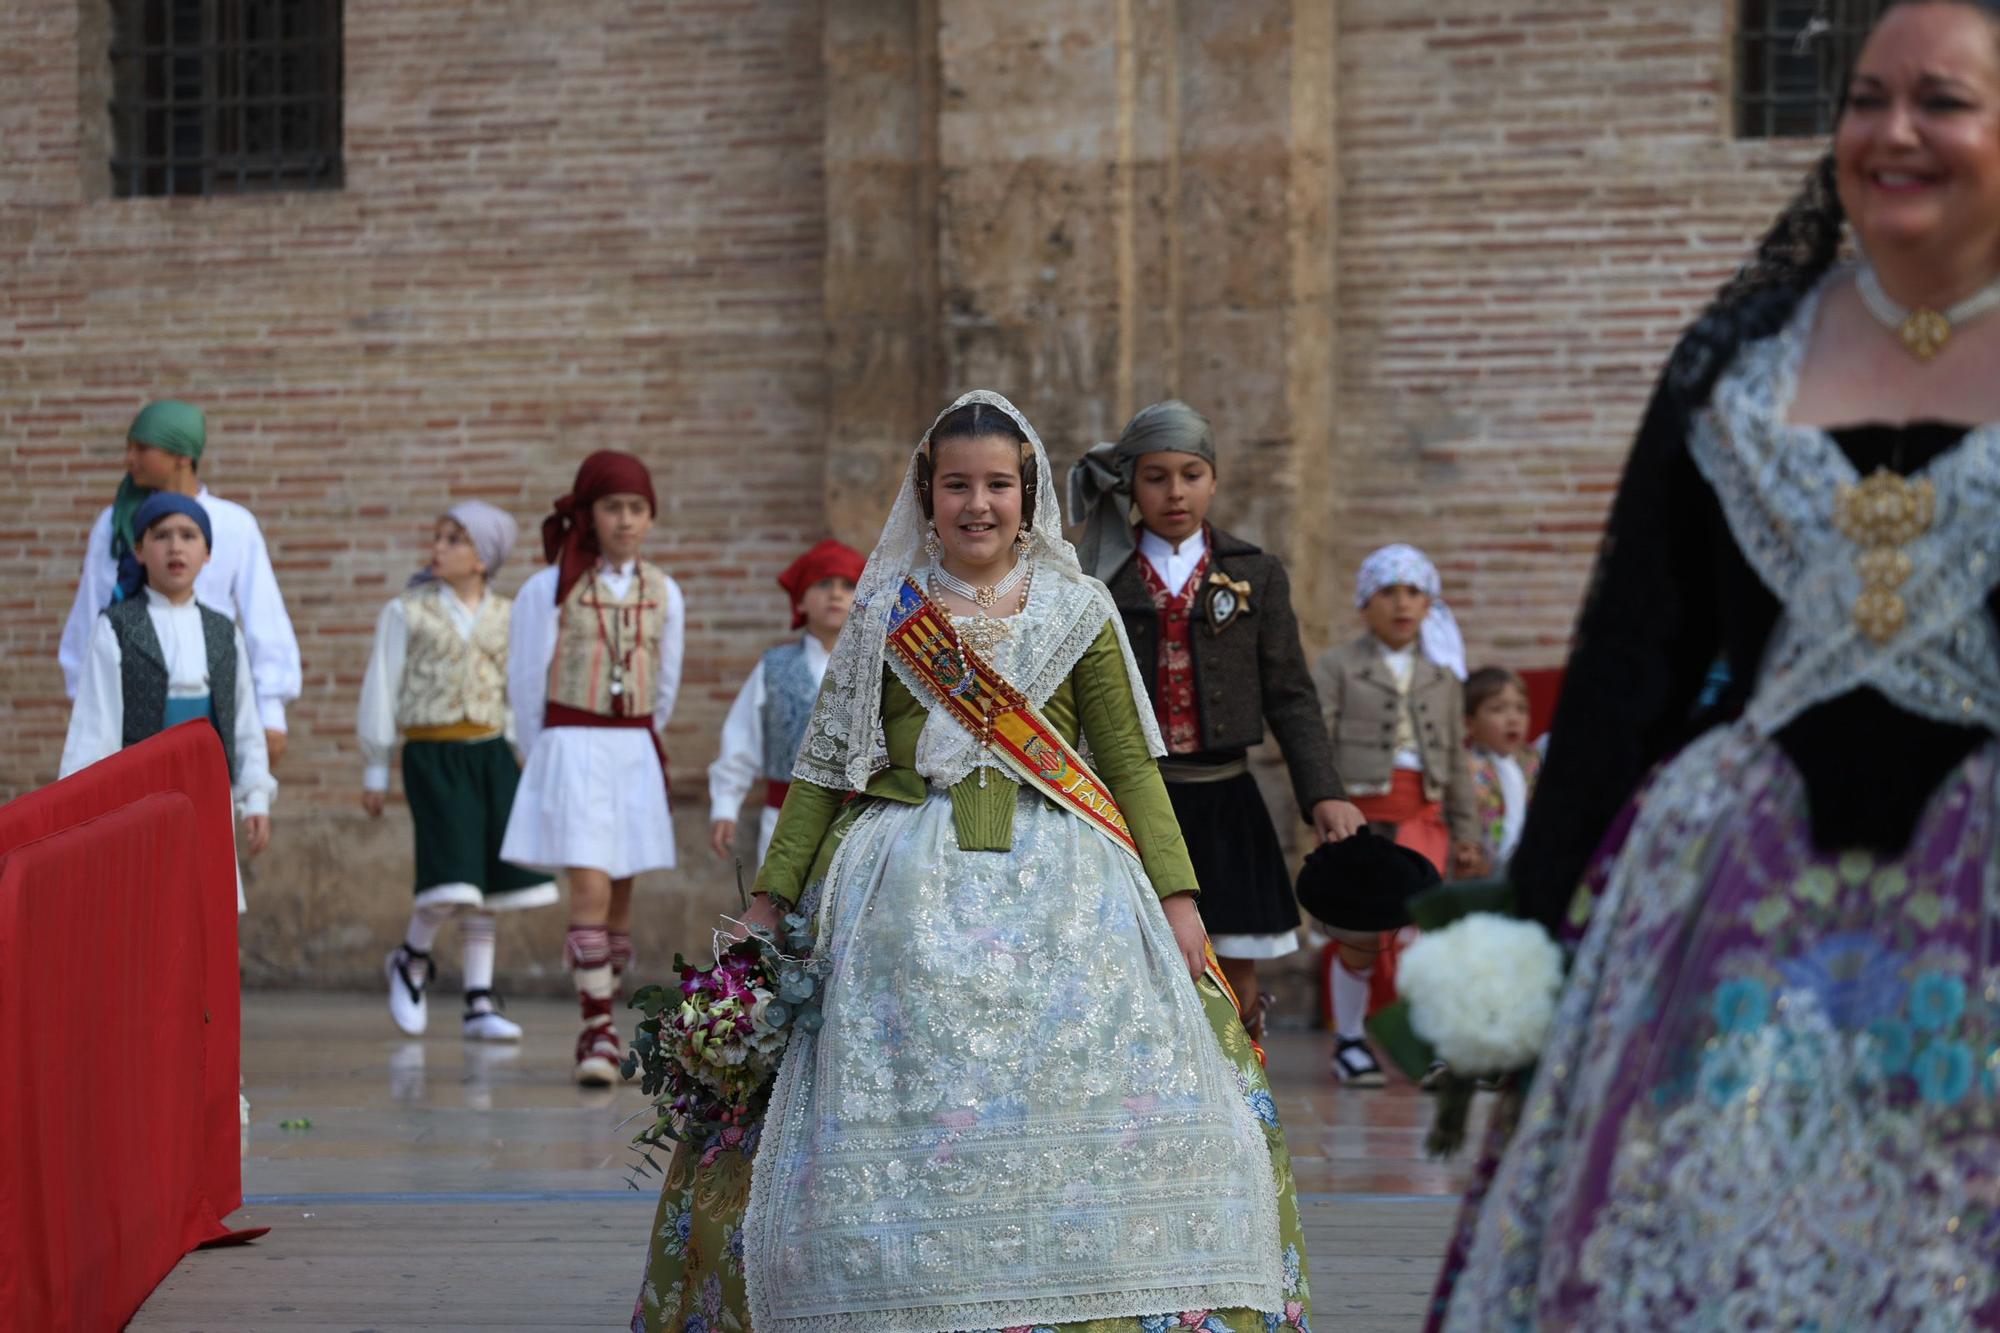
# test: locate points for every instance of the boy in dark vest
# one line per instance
(767, 723)
(158, 658)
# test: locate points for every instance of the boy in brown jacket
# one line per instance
(1394, 709)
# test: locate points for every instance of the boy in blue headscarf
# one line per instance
(157, 658)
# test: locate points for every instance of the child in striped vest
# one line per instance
(593, 669)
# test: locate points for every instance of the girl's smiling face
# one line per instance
(976, 499)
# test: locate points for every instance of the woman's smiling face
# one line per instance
(1918, 145)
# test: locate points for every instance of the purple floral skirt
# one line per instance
(1770, 1099)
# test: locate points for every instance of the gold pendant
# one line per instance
(1924, 332)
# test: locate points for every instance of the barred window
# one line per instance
(225, 96)
(1792, 60)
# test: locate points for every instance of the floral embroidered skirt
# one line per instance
(698, 1257)
(1770, 1099)
(694, 1263)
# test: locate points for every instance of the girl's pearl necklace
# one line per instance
(984, 598)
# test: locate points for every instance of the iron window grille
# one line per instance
(1792, 61)
(225, 96)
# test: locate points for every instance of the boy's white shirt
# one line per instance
(1174, 564)
(237, 581)
(375, 715)
(741, 762)
(1402, 664)
(531, 647)
(97, 719)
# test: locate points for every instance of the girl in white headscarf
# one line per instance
(1030, 1102)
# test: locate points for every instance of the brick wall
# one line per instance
(1535, 196)
(565, 227)
(607, 223)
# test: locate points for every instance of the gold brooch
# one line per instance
(1227, 599)
(1924, 332)
(1882, 515)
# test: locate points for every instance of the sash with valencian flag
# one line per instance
(1000, 715)
(1013, 728)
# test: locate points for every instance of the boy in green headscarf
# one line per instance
(163, 450)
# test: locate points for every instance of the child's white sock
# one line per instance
(425, 923)
(1350, 1001)
(479, 936)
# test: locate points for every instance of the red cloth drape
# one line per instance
(1544, 688)
(119, 1030)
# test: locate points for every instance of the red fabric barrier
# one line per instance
(119, 1029)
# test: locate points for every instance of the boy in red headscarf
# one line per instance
(593, 665)
(767, 723)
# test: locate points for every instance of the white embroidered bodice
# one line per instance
(1780, 487)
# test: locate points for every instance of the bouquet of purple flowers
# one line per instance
(706, 1051)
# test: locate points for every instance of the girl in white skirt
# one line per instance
(593, 668)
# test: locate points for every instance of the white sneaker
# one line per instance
(490, 1026)
(409, 975)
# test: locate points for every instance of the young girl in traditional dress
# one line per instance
(157, 657)
(1030, 1101)
(1395, 710)
(1769, 1098)
(767, 723)
(1210, 618)
(437, 679)
(1504, 765)
(593, 665)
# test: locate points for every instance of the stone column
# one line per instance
(1089, 205)
(884, 353)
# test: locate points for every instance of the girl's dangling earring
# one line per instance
(1021, 541)
(932, 547)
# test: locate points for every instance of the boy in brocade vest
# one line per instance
(437, 677)
(593, 667)
(767, 723)
(157, 657)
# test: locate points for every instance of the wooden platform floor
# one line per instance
(445, 1185)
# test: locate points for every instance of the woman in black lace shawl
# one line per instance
(1769, 1098)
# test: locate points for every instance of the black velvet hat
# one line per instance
(1364, 883)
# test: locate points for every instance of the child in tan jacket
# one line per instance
(1394, 708)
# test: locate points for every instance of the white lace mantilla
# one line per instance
(1778, 484)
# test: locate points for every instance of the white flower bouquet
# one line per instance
(1482, 992)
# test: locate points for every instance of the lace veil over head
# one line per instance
(843, 745)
